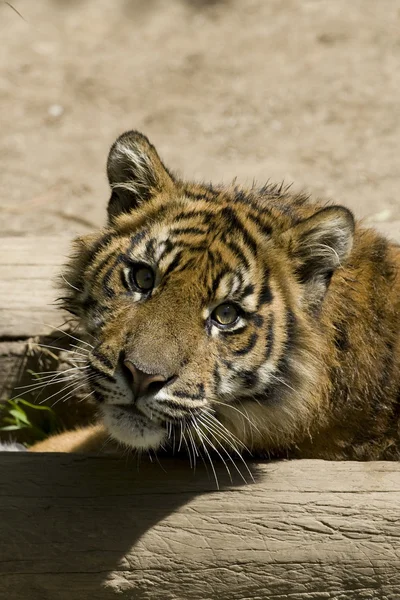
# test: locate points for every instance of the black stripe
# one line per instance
(237, 251)
(248, 290)
(291, 324)
(203, 194)
(196, 396)
(269, 344)
(264, 228)
(135, 240)
(216, 379)
(99, 385)
(217, 281)
(204, 215)
(150, 245)
(249, 346)
(198, 196)
(290, 343)
(192, 245)
(257, 320)
(168, 247)
(103, 359)
(108, 291)
(265, 296)
(98, 396)
(283, 366)
(173, 265)
(101, 265)
(102, 242)
(234, 224)
(99, 373)
(249, 378)
(188, 231)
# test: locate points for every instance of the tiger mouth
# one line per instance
(157, 418)
(131, 409)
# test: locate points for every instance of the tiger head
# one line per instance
(204, 305)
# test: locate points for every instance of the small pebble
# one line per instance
(55, 110)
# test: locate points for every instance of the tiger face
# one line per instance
(202, 303)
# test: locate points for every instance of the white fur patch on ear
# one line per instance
(331, 241)
(318, 246)
(322, 242)
(135, 173)
(132, 169)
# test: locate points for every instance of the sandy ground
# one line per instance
(302, 90)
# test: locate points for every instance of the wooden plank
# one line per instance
(76, 527)
(28, 268)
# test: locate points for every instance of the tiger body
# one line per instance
(267, 323)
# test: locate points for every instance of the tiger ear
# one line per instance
(319, 245)
(135, 173)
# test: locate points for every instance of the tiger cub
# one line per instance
(234, 320)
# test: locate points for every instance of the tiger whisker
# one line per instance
(283, 382)
(68, 334)
(232, 445)
(69, 395)
(70, 385)
(210, 461)
(48, 374)
(33, 387)
(55, 371)
(210, 417)
(49, 380)
(84, 397)
(70, 284)
(188, 450)
(202, 435)
(252, 424)
(193, 448)
(73, 352)
(180, 440)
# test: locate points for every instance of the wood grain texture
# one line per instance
(28, 268)
(85, 528)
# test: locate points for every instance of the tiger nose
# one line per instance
(143, 383)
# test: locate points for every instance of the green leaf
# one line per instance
(34, 406)
(13, 403)
(12, 427)
(20, 415)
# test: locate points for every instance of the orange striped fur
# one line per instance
(311, 365)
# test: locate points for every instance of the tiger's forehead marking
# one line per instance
(218, 250)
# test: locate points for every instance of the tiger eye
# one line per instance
(143, 278)
(225, 314)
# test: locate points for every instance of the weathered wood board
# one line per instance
(28, 317)
(84, 528)
(28, 269)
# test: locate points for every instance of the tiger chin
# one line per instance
(233, 320)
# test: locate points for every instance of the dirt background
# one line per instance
(302, 90)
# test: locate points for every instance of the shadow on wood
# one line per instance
(85, 528)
